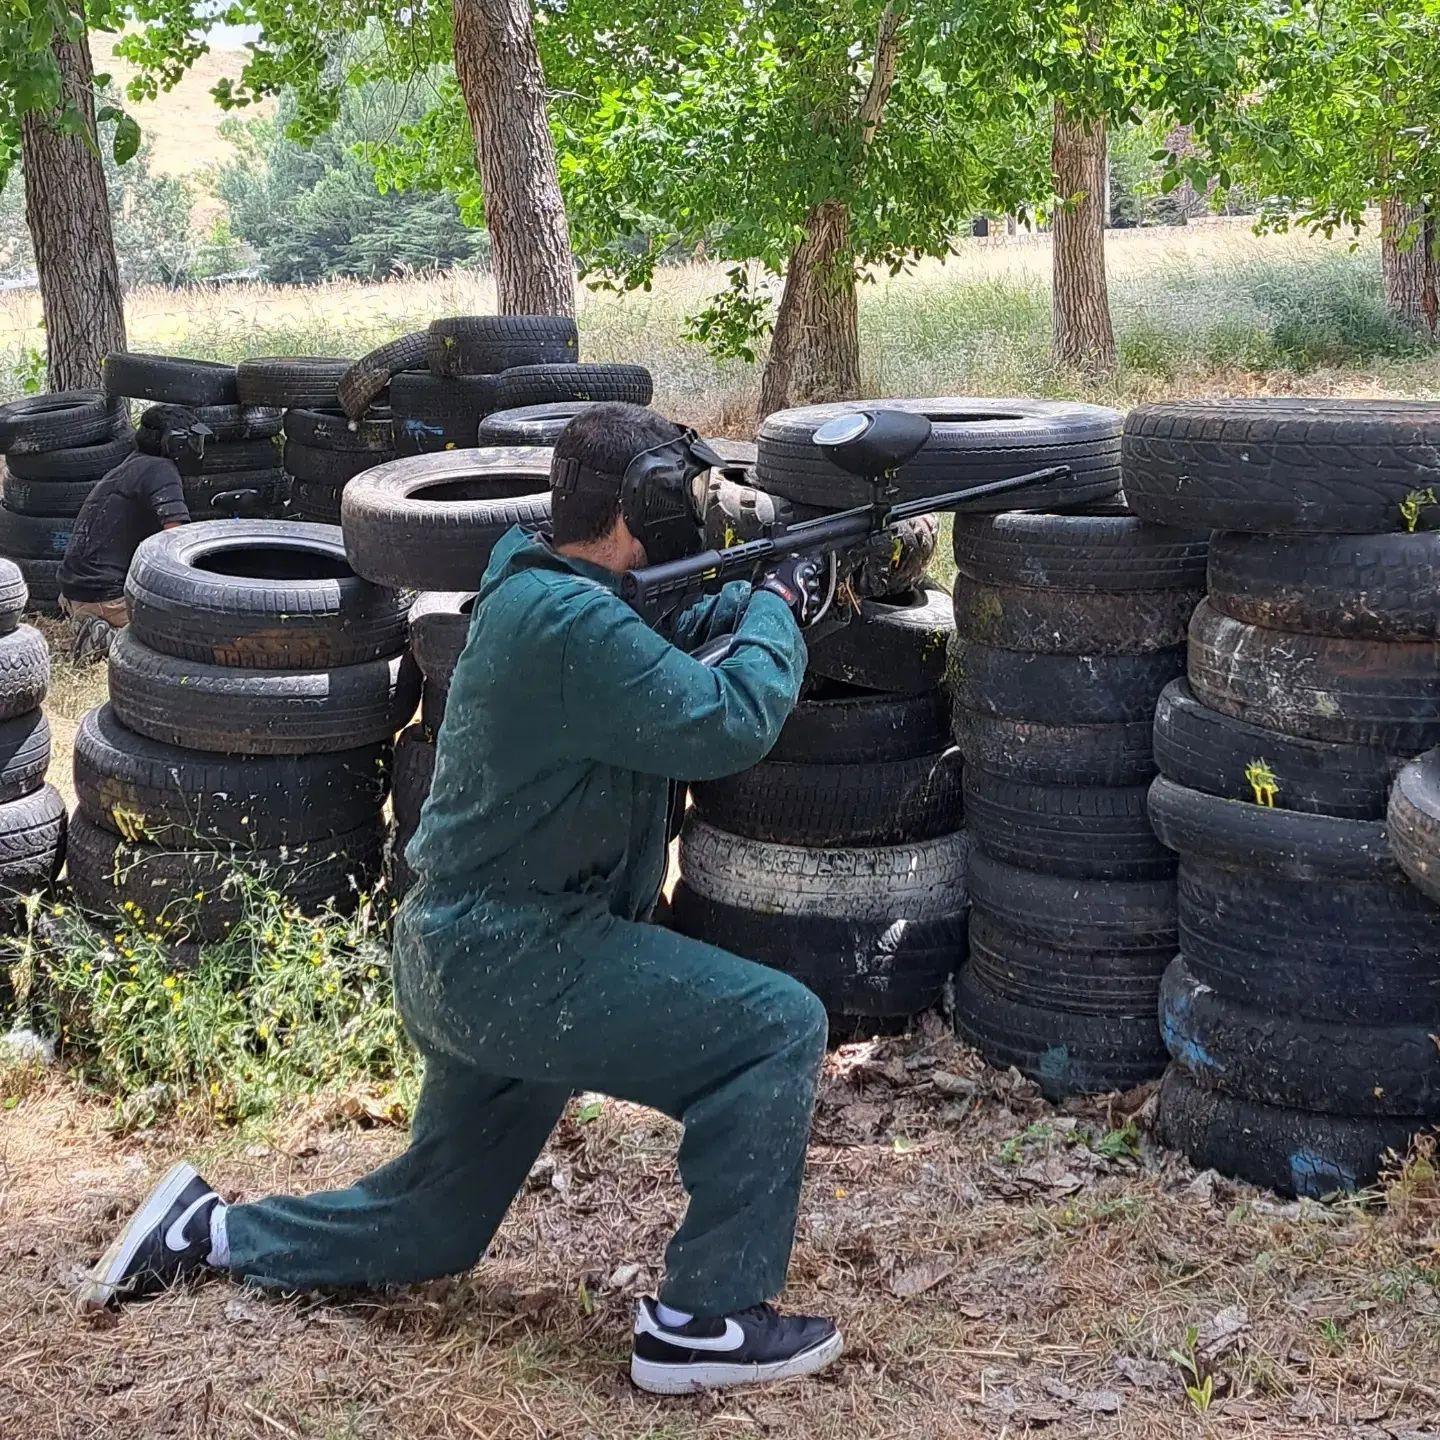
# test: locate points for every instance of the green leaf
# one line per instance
(127, 139)
(591, 1112)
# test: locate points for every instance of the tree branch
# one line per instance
(882, 74)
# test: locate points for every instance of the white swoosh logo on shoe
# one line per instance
(175, 1236)
(732, 1339)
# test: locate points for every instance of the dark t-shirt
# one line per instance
(139, 497)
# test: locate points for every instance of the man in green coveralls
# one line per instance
(524, 966)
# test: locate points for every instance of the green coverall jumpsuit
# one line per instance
(524, 971)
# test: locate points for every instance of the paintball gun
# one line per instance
(871, 444)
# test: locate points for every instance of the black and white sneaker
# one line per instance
(165, 1240)
(747, 1348)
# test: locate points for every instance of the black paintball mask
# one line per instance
(184, 439)
(660, 494)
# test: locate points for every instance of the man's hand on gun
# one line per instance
(799, 580)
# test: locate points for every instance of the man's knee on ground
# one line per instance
(799, 1017)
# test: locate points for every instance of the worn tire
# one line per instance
(1353, 692)
(259, 712)
(108, 872)
(220, 458)
(1091, 832)
(1355, 587)
(331, 430)
(169, 380)
(1284, 466)
(32, 842)
(24, 755)
(989, 440)
(414, 775)
(260, 595)
(201, 491)
(529, 424)
(1284, 1059)
(896, 643)
(165, 795)
(1114, 754)
(14, 596)
(1413, 823)
(61, 420)
(372, 373)
(548, 384)
(879, 802)
(304, 382)
(439, 627)
(431, 414)
(1062, 1052)
(85, 462)
(838, 724)
(1059, 689)
(430, 522)
(315, 503)
(24, 671)
(229, 423)
(42, 584)
(488, 344)
(1295, 1152)
(55, 498)
(1096, 549)
(330, 467)
(1205, 749)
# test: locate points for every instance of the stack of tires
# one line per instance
(534, 403)
(1068, 626)
(1300, 1014)
(55, 447)
(428, 523)
(242, 450)
(440, 408)
(841, 858)
(254, 698)
(32, 814)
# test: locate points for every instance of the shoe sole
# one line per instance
(101, 1286)
(658, 1378)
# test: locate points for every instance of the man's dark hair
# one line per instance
(604, 437)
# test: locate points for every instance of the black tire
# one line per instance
(332, 430)
(1018, 967)
(24, 671)
(169, 379)
(1294, 1152)
(1101, 915)
(439, 627)
(434, 696)
(829, 917)
(548, 384)
(1353, 692)
(1091, 832)
(975, 441)
(221, 457)
(330, 467)
(259, 712)
(14, 596)
(1059, 689)
(880, 802)
(164, 795)
(1204, 749)
(32, 842)
(896, 643)
(86, 462)
(838, 724)
(432, 414)
(414, 774)
(107, 872)
(1070, 622)
(430, 522)
(1115, 754)
(1356, 587)
(1063, 1053)
(55, 498)
(1284, 466)
(260, 595)
(42, 583)
(306, 382)
(371, 374)
(1283, 1059)
(530, 424)
(228, 424)
(488, 344)
(201, 491)
(24, 755)
(316, 503)
(1099, 548)
(62, 420)
(1413, 823)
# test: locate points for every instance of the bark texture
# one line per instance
(1408, 264)
(498, 67)
(67, 209)
(1080, 305)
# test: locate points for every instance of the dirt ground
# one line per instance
(999, 1267)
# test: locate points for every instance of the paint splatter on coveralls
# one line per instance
(524, 971)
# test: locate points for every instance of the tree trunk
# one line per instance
(67, 209)
(815, 349)
(1080, 305)
(498, 66)
(1408, 268)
